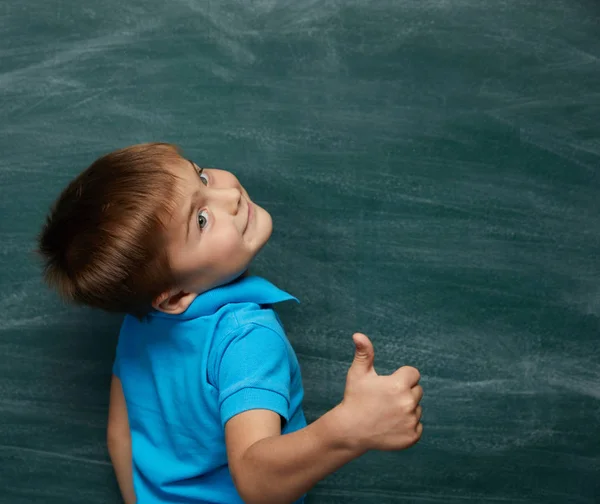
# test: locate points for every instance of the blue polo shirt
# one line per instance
(184, 376)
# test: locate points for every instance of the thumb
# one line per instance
(364, 354)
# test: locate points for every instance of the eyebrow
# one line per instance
(192, 204)
(190, 213)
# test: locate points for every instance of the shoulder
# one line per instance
(252, 315)
(249, 320)
(250, 330)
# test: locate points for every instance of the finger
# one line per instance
(419, 430)
(417, 392)
(408, 375)
(418, 413)
(364, 355)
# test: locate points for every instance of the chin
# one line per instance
(269, 225)
(266, 226)
(262, 235)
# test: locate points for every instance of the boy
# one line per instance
(205, 400)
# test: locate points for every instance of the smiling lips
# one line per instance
(250, 215)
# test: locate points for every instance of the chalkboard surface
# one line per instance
(432, 168)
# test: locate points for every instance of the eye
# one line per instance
(202, 218)
(203, 176)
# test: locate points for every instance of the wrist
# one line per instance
(340, 431)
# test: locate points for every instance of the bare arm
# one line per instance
(378, 412)
(270, 468)
(119, 441)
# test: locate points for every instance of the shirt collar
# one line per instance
(248, 289)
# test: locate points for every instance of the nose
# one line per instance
(231, 198)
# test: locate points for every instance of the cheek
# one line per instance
(228, 244)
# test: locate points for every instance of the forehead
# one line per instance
(187, 186)
(181, 167)
(184, 176)
(187, 177)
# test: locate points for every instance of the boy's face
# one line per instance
(215, 230)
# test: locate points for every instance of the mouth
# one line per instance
(250, 215)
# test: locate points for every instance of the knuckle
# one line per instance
(398, 387)
(417, 374)
(410, 373)
(419, 431)
(410, 403)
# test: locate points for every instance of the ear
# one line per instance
(173, 302)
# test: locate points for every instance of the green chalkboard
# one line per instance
(432, 169)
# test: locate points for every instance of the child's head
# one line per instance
(144, 227)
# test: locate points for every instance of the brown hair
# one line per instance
(104, 241)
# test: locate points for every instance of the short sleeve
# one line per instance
(254, 373)
(116, 369)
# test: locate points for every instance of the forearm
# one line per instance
(280, 469)
(120, 454)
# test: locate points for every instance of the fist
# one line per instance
(382, 412)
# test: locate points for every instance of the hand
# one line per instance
(380, 412)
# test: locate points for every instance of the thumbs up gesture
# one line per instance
(381, 412)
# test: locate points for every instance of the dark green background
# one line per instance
(432, 172)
